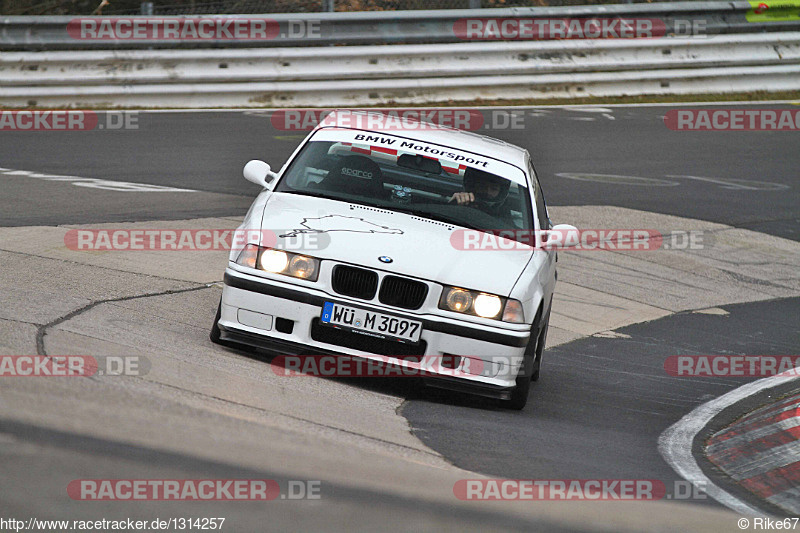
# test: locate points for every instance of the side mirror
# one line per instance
(563, 236)
(259, 172)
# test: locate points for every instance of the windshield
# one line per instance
(406, 181)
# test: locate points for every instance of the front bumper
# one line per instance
(283, 319)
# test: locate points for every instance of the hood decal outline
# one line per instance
(356, 225)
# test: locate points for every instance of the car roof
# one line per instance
(436, 134)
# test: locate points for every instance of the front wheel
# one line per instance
(540, 342)
(519, 396)
(530, 368)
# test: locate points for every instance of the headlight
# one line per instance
(488, 305)
(273, 261)
(279, 262)
(481, 304)
(459, 300)
(302, 266)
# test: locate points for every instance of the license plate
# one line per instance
(371, 323)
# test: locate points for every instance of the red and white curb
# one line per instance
(761, 451)
(675, 444)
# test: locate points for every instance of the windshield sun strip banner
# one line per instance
(451, 158)
(391, 155)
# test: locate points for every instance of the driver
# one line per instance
(487, 192)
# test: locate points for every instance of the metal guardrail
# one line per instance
(388, 27)
(404, 74)
(393, 62)
(43, 66)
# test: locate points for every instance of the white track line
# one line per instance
(675, 444)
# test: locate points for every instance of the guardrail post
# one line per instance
(328, 6)
(146, 8)
(474, 4)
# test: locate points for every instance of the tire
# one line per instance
(530, 369)
(540, 343)
(215, 332)
(519, 396)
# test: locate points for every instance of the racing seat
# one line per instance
(357, 175)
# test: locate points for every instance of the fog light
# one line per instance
(451, 361)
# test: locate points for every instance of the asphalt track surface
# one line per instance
(601, 403)
(205, 151)
(45, 458)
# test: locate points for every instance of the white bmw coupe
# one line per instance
(414, 245)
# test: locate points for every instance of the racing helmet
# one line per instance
(473, 176)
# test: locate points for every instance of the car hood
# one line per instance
(360, 235)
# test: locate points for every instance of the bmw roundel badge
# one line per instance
(385, 259)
